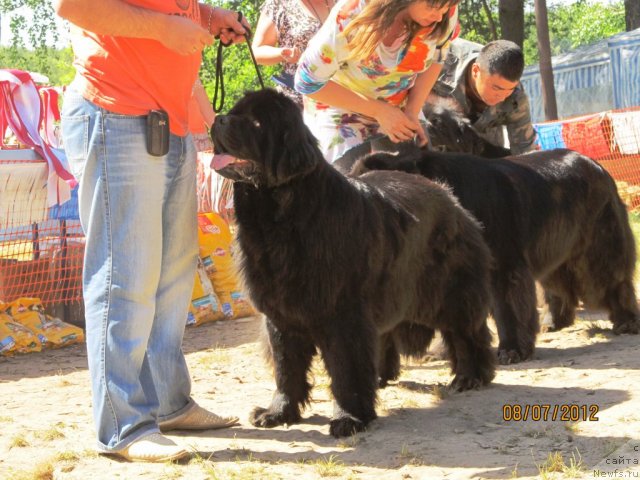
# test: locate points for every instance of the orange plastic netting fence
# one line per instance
(41, 248)
(612, 138)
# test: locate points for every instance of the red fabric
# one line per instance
(587, 135)
(51, 114)
(3, 120)
(23, 113)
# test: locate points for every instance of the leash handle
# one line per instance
(219, 78)
(219, 81)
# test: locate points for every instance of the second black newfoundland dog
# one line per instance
(552, 216)
(338, 264)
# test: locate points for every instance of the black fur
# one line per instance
(335, 264)
(450, 131)
(553, 216)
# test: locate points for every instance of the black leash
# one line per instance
(219, 79)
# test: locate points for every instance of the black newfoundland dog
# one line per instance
(450, 131)
(338, 264)
(553, 216)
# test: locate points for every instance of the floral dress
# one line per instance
(388, 74)
(295, 27)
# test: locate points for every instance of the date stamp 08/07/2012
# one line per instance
(543, 412)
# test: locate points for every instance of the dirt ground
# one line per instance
(422, 432)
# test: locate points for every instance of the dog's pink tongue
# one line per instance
(221, 160)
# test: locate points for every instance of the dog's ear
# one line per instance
(298, 156)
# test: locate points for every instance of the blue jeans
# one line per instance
(139, 216)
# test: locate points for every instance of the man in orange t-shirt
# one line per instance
(125, 132)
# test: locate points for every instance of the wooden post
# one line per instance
(546, 70)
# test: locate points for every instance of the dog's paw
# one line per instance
(631, 326)
(460, 383)
(346, 426)
(383, 380)
(265, 418)
(507, 357)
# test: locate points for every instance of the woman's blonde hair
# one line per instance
(366, 31)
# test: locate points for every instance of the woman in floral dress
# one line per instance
(370, 68)
(283, 31)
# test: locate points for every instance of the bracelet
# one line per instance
(213, 9)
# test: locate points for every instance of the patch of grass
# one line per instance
(234, 445)
(19, 441)
(410, 402)
(241, 471)
(89, 453)
(42, 471)
(329, 467)
(50, 434)
(440, 391)
(67, 456)
(405, 452)
(598, 329)
(205, 463)
(514, 472)
(214, 357)
(68, 460)
(575, 467)
(5, 419)
(555, 463)
(349, 442)
(248, 457)
(408, 457)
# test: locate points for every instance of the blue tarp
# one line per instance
(550, 135)
(590, 79)
(68, 210)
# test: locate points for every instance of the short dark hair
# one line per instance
(502, 57)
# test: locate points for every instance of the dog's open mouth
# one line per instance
(223, 160)
(232, 167)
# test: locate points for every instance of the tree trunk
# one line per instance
(511, 14)
(492, 24)
(632, 14)
(546, 70)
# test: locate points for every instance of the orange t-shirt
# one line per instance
(134, 75)
(197, 123)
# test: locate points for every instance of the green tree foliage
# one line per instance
(32, 39)
(474, 19)
(57, 65)
(597, 21)
(238, 72)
